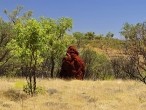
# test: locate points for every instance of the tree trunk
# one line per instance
(34, 79)
(30, 83)
(53, 65)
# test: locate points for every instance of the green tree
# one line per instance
(9, 64)
(27, 46)
(90, 35)
(79, 36)
(17, 14)
(6, 34)
(58, 41)
(109, 34)
(135, 46)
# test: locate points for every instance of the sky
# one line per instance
(99, 16)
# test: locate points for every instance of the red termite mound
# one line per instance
(72, 65)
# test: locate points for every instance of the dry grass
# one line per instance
(74, 95)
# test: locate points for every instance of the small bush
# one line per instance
(27, 89)
(39, 90)
(15, 95)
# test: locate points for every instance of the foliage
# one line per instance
(103, 42)
(79, 36)
(90, 35)
(57, 43)
(123, 68)
(39, 90)
(27, 46)
(6, 34)
(109, 34)
(34, 48)
(38, 42)
(135, 36)
(9, 64)
(97, 65)
(17, 14)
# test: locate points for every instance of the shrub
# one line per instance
(15, 95)
(124, 68)
(39, 90)
(97, 65)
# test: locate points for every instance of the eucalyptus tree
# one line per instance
(37, 41)
(27, 46)
(90, 35)
(6, 34)
(18, 14)
(135, 36)
(58, 41)
(8, 63)
(109, 34)
(108, 40)
(79, 36)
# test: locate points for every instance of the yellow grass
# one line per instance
(74, 95)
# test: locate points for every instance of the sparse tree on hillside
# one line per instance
(109, 34)
(79, 36)
(135, 36)
(90, 35)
